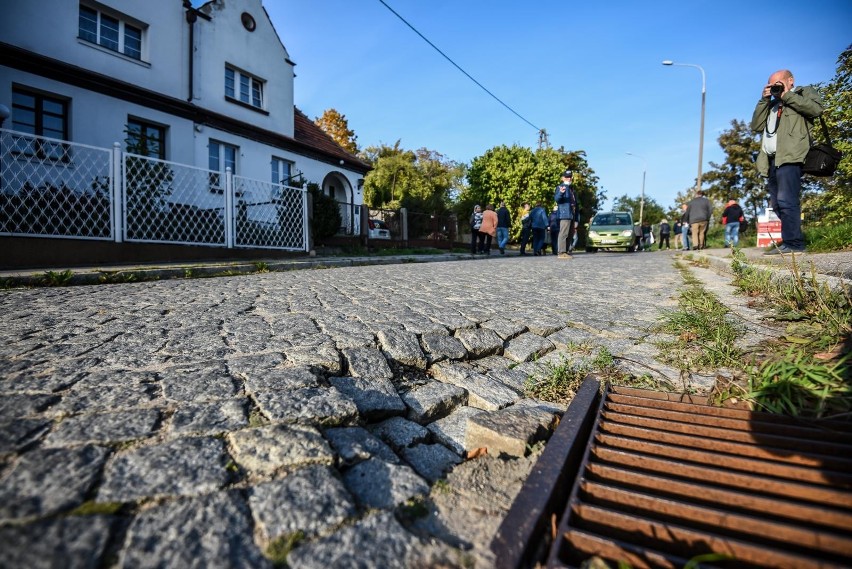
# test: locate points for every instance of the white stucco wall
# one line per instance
(223, 40)
(51, 28)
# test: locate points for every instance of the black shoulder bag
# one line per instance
(822, 159)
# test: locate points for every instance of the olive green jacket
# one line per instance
(800, 107)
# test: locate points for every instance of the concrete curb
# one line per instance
(141, 273)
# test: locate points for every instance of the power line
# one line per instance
(456, 65)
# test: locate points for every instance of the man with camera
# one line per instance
(784, 115)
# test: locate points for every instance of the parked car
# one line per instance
(610, 230)
(377, 229)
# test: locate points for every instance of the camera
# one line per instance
(776, 90)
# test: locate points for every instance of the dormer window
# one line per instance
(244, 88)
(110, 31)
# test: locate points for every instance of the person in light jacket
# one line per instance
(784, 116)
(489, 227)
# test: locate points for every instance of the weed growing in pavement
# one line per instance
(256, 418)
(261, 267)
(705, 337)
(52, 278)
(562, 379)
(278, 549)
(116, 277)
(92, 508)
(414, 508)
(807, 372)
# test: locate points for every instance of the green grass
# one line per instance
(807, 371)
(704, 335)
(825, 238)
(92, 508)
(278, 550)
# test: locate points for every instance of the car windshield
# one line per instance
(611, 219)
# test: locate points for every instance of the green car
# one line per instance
(610, 230)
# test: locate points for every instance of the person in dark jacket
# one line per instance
(647, 236)
(504, 222)
(678, 233)
(665, 230)
(538, 217)
(731, 218)
(554, 229)
(477, 238)
(566, 200)
(637, 236)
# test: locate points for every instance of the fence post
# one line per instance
(229, 208)
(117, 192)
(403, 217)
(308, 209)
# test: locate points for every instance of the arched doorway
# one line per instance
(338, 187)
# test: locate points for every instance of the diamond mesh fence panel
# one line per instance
(268, 215)
(167, 202)
(54, 188)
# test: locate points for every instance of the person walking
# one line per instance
(566, 202)
(684, 228)
(477, 238)
(731, 218)
(647, 236)
(504, 222)
(538, 221)
(637, 236)
(526, 227)
(553, 227)
(699, 210)
(489, 228)
(678, 235)
(665, 230)
(784, 116)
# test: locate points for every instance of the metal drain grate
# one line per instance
(666, 478)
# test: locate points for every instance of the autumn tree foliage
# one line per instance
(336, 126)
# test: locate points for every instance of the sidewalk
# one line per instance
(837, 266)
(162, 271)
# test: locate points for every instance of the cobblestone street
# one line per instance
(218, 422)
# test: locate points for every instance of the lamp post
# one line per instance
(703, 98)
(642, 199)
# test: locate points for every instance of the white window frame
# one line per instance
(221, 162)
(282, 171)
(125, 26)
(244, 88)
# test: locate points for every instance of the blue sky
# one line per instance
(589, 73)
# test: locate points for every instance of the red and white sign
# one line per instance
(768, 228)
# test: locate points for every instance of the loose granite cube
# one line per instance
(356, 444)
(399, 433)
(375, 398)
(403, 347)
(433, 401)
(509, 431)
(265, 450)
(379, 484)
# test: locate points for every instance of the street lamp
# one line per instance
(642, 199)
(703, 97)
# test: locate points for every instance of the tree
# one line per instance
(829, 200)
(516, 175)
(421, 180)
(652, 212)
(337, 127)
(737, 177)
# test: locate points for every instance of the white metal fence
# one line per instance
(56, 188)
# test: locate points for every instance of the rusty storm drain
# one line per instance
(659, 479)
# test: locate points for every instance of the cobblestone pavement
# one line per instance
(218, 422)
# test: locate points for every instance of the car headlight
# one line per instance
(627, 233)
(593, 233)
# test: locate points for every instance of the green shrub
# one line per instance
(326, 219)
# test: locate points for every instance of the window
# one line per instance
(110, 32)
(146, 139)
(282, 172)
(42, 115)
(220, 157)
(244, 88)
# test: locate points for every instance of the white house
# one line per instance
(210, 87)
